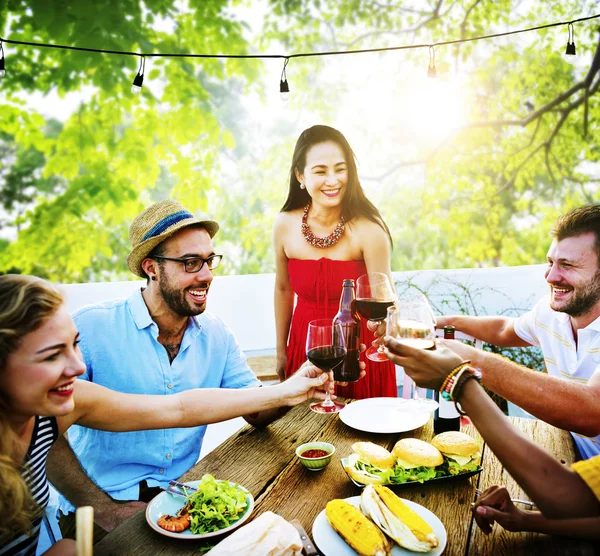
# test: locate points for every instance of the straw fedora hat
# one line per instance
(157, 223)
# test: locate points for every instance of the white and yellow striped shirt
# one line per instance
(577, 362)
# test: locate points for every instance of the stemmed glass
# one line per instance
(412, 322)
(374, 294)
(325, 348)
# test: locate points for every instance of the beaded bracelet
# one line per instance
(451, 374)
(470, 373)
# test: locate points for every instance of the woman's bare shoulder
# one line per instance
(283, 220)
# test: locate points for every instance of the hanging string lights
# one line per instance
(284, 88)
(571, 51)
(139, 78)
(431, 71)
(2, 72)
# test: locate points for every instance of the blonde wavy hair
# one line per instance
(26, 302)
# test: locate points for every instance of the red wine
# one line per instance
(373, 309)
(326, 357)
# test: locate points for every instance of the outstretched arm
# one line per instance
(68, 477)
(499, 331)
(100, 408)
(567, 405)
(532, 467)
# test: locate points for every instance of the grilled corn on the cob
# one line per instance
(419, 527)
(356, 529)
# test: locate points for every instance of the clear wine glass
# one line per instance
(374, 294)
(412, 322)
(325, 348)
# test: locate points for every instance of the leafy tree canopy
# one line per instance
(485, 191)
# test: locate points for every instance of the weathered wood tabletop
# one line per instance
(264, 461)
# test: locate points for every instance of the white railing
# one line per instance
(245, 302)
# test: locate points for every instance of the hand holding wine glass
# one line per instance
(374, 294)
(412, 322)
(325, 348)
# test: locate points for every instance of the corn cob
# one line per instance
(419, 527)
(356, 529)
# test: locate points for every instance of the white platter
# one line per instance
(384, 415)
(331, 544)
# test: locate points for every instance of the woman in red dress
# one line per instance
(327, 231)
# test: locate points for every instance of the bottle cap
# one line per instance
(348, 282)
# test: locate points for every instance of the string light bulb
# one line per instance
(431, 71)
(571, 50)
(2, 72)
(284, 88)
(139, 78)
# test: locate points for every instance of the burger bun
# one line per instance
(374, 454)
(417, 453)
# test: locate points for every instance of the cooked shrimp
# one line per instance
(176, 523)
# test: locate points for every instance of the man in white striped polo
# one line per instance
(565, 325)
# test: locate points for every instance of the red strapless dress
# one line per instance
(318, 285)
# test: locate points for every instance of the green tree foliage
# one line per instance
(493, 186)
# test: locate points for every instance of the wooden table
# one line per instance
(263, 460)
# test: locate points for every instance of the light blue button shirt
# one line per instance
(121, 351)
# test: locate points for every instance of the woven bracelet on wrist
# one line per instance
(470, 373)
(451, 374)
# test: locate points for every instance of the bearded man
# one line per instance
(565, 325)
(160, 341)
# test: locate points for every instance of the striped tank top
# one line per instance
(45, 433)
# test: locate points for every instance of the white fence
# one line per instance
(245, 302)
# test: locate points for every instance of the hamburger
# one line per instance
(416, 460)
(397, 520)
(370, 464)
(462, 453)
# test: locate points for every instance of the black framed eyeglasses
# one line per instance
(195, 264)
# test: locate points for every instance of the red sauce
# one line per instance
(314, 454)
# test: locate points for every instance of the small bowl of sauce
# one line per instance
(315, 455)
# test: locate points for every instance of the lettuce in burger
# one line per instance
(416, 460)
(370, 464)
(462, 453)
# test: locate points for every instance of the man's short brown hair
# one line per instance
(582, 220)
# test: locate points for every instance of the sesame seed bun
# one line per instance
(454, 442)
(417, 452)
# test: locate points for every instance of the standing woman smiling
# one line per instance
(327, 231)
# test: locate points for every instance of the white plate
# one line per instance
(167, 503)
(384, 415)
(331, 544)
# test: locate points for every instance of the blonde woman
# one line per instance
(40, 399)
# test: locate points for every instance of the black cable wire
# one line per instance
(301, 54)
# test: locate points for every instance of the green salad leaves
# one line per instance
(215, 505)
(398, 474)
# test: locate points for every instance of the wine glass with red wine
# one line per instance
(374, 294)
(412, 322)
(326, 349)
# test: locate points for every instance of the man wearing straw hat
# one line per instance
(158, 341)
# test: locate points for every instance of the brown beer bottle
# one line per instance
(347, 317)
